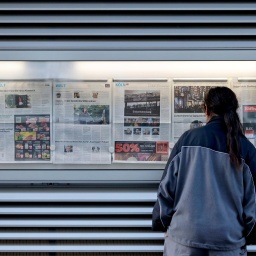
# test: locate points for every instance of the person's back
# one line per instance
(209, 191)
(206, 197)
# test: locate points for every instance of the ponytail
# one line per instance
(233, 127)
(222, 101)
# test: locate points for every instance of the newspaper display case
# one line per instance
(129, 123)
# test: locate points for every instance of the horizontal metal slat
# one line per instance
(184, 6)
(74, 210)
(77, 195)
(74, 223)
(45, 176)
(251, 248)
(232, 31)
(228, 54)
(146, 44)
(81, 236)
(127, 19)
(81, 248)
(88, 248)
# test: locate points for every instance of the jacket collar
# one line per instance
(216, 119)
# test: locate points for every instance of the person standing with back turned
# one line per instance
(206, 198)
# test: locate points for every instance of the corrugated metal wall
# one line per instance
(109, 221)
(124, 26)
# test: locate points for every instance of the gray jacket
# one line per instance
(202, 199)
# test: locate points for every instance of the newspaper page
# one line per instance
(25, 127)
(246, 94)
(188, 99)
(141, 121)
(82, 122)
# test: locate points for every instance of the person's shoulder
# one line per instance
(196, 131)
(247, 144)
(185, 136)
(194, 137)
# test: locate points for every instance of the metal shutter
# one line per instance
(126, 30)
(70, 221)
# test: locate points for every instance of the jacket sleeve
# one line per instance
(163, 208)
(251, 161)
(251, 238)
(249, 204)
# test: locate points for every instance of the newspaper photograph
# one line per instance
(249, 122)
(188, 99)
(245, 90)
(26, 121)
(142, 113)
(82, 122)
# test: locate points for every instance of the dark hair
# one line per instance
(222, 101)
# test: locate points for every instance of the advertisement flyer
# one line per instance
(82, 122)
(141, 117)
(25, 121)
(32, 137)
(245, 90)
(249, 122)
(188, 99)
(133, 151)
